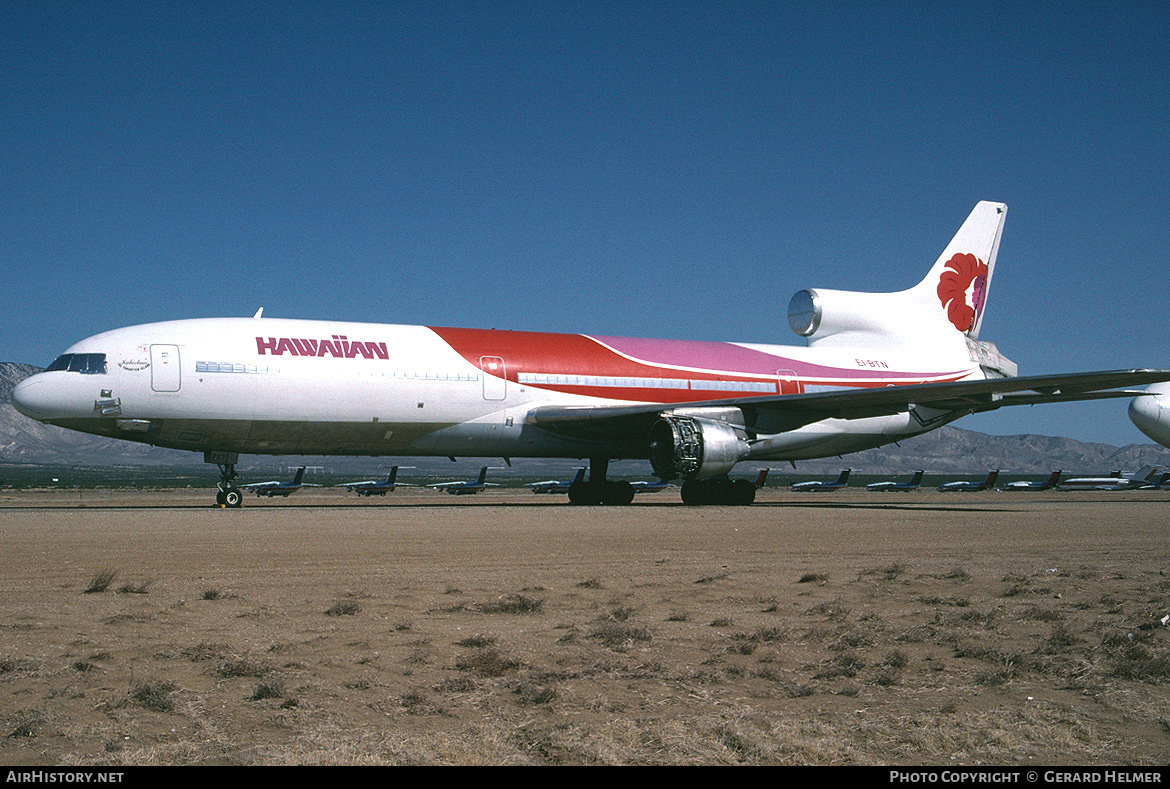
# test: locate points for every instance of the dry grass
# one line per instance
(775, 635)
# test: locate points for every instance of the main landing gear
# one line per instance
(716, 490)
(719, 490)
(598, 490)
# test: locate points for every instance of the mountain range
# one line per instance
(946, 450)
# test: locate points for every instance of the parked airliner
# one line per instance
(465, 487)
(913, 483)
(558, 485)
(821, 485)
(278, 487)
(1116, 481)
(376, 487)
(1046, 484)
(970, 486)
(878, 367)
(1161, 483)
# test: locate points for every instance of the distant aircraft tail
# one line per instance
(917, 478)
(482, 475)
(943, 312)
(763, 475)
(392, 475)
(300, 475)
(1146, 473)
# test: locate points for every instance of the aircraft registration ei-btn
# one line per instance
(878, 367)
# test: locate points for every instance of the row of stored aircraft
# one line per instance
(380, 487)
(1147, 478)
(1142, 479)
(370, 487)
(876, 368)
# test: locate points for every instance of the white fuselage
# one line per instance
(274, 386)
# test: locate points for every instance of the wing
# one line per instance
(788, 412)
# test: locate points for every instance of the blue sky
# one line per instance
(662, 169)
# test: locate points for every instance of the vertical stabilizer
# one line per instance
(959, 281)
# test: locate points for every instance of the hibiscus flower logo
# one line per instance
(965, 273)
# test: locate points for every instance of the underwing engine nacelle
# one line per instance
(694, 448)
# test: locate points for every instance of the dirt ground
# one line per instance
(505, 628)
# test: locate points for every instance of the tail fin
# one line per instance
(392, 475)
(299, 476)
(917, 478)
(961, 277)
(482, 475)
(763, 475)
(942, 312)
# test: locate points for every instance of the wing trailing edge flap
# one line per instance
(787, 412)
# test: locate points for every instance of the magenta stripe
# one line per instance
(725, 357)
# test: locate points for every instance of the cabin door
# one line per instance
(164, 368)
(789, 382)
(495, 378)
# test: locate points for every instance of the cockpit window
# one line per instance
(87, 363)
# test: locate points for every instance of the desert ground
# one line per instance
(847, 628)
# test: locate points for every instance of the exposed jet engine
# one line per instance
(694, 447)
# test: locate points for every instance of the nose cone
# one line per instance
(1151, 413)
(34, 398)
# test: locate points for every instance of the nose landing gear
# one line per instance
(227, 495)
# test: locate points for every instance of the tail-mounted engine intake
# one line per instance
(851, 317)
(694, 448)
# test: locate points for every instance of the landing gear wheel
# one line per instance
(228, 495)
(719, 490)
(742, 492)
(617, 493)
(620, 493)
(585, 493)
